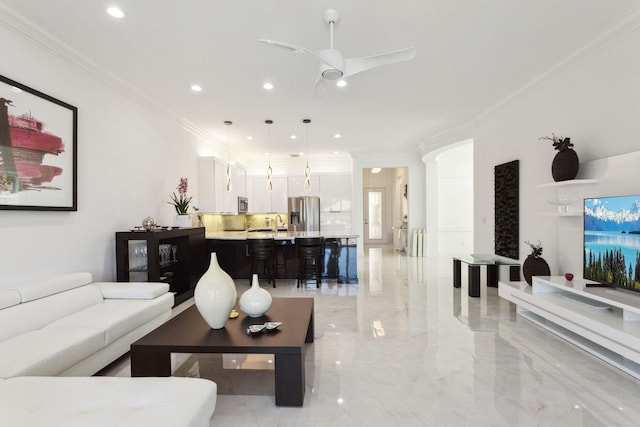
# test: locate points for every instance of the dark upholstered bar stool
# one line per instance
(310, 251)
(262, 250)
(281, 254)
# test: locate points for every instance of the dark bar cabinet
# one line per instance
(178, 257)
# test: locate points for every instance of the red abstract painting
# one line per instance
(37, 165)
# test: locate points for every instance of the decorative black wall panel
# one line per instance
(506, 199)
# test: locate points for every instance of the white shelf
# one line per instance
(568, 214)
(568, 182)
(603, 321)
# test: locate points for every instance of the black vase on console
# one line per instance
(535, 265)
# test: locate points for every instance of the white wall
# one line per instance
(593, 97)
(130, 159)
(450, 199)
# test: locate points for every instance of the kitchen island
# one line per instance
(339, 261)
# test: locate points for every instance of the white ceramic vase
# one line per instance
(255, 301)
(215, 295)
(182, 221)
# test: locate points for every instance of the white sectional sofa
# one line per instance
(56, 332)
(67, 325)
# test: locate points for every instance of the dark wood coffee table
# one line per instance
(189, 333)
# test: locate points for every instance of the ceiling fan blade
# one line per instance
(357, 65)
(320, 88)
(295, 48)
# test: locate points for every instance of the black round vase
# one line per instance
(565, 165)
(534, 267)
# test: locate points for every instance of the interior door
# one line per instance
(374, 216)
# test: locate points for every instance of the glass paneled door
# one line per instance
(374, 216)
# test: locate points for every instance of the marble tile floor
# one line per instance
(404, 348)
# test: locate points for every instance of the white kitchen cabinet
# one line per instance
(259, 200)
(335, 193)
(279, 194)
(214, 197)
(263, 201)
(295, 186)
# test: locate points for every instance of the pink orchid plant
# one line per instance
(181, 201)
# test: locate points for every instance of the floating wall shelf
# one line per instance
(568, 183)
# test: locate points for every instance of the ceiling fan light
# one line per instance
(332, 74)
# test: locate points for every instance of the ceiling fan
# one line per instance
(333, 66)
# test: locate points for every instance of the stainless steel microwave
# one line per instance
(243, 205)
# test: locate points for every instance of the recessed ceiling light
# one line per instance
(375, 170)
(337, 136)
(301, 154)
(293, 137)
(341, 83)
(16, 89)
(196, 88)
(250, 138)
(115, 12)
(268, 86)
(336, 152)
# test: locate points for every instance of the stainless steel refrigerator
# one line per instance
(304, 214)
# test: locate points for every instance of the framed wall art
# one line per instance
(38, 150)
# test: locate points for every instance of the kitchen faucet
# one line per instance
(279, 222)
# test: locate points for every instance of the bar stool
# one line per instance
(262, 250)
(281, 253)
(310, 253)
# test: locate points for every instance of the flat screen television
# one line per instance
(611, 238)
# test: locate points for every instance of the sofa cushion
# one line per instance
(132, 290)
(37, 314)
(116, 317)
(107, 401)
(9, 297)
(44, 287)
(47, 351)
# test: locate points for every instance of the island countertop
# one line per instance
(279, 235)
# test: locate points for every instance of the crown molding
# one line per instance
(40, 37)
(614, 35)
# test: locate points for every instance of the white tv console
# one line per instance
(603, 321)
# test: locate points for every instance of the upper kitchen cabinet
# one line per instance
(296, 187)
(214, 197)
(263, 201)
(335, 193)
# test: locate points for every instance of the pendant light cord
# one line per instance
(307, 170)
(269, 170)
(228, 186)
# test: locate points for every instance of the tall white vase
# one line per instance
(255, 301)
(215, 295)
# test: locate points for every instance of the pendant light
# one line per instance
(307, 170)
(269, 170)
(228, 123)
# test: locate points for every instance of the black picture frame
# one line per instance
(38, 150)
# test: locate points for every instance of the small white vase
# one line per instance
(182, 221)
(255, 301)
(215, 295)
